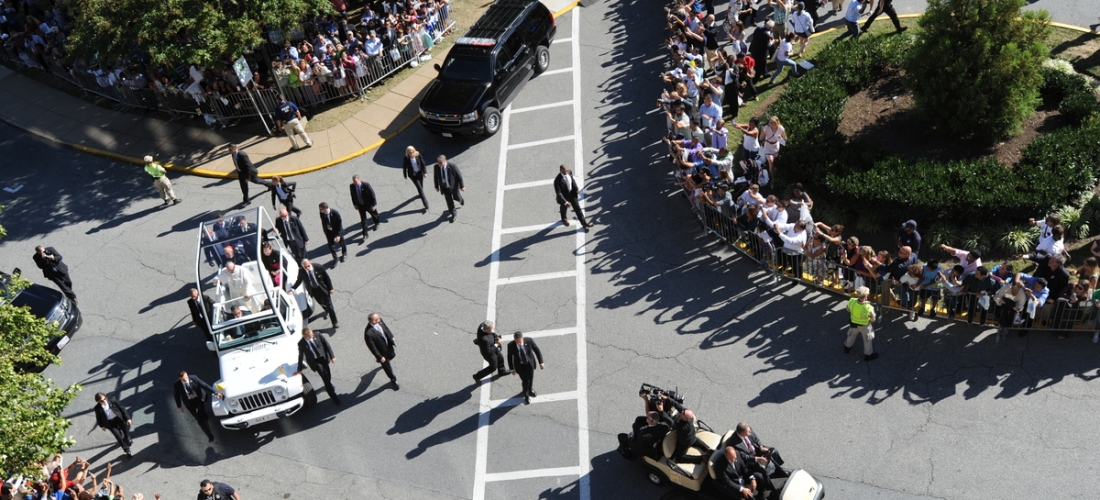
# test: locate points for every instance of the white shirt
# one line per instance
(107, 410)
(853, 11)
(801, 22)
(711, 114)
(568, 181)
(1050, 246)
(784, 51)
(792, 240)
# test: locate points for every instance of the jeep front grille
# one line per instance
(444, 119)
(257, 400)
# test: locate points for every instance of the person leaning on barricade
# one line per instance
(1011, 301)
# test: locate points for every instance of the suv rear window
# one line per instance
(466, 68)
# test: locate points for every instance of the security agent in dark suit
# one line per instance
(242, 228)
(364, 201)
(488, 342)
(294, 235)
(315, 351)
(191, 392)
(757, 457)
(333, 227)
(523, 357)
(49, 261)
(567, 192)
(733, 477)
(320, 288)
(684, 426)
(414, 168)
(646, 437)
(212, 237)
(284, 192)
(448, 180)
(246, 171)
(199, 315)
(111, 416)
(379, 340)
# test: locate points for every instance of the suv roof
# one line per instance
(496, 21)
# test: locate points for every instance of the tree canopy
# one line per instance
(31, 425)
(202, 32)
(974, 69)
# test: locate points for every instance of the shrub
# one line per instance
(974, 68)
(1078, 106)
(1058, 84)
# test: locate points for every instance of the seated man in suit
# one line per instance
(732, 477)
(757, 457)
(646, 440)
(245, 231)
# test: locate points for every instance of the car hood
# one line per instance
(252, 367)
(451, 97)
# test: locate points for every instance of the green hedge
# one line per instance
(1053, 170)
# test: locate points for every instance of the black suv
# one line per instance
(46, 303)
(486, 68)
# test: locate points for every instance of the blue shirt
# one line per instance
(853, 11)
(930, 275)
(288, 111)
(1029, 282)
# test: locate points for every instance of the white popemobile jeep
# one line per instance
(257, 348)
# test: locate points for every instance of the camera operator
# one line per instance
(684, 426)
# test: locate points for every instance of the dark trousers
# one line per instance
(333, 245)
(121, 431)
(325, 373)
(197, 407)
(64, 284)
(853, 31)
(889, 10)
(298, 251)
(1006, 313)
(450, 196)
(419, 183)
(325, 300)
(496, 362)
(288, 203)
(363, 211)
(526, 378)
(389, 370)
(255, 179)
(576, 210)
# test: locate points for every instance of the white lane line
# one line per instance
(542, 142)
(550, 333)
(535, 277)
(523, 185)
(563, 40)
(583, 459)
(556, 71)
(542, 398)
(527, 229)
(533, 473)
(543, 106)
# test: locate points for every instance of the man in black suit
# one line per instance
(685, 437)
(333, 227)
(756, 455)
(246, 231)
(284, 192)
(733, 477)
(379, 340)
(567, 191)
(488, 342)
(213, 234)
(315, 351)
(111, 416)
(246, 171)
(191, 392)
(448, 180)
(49, 261)
(294, 235)
(644, 441)
(523, 356)
(414, 168)
(199, 315)
(364, 201)
(320, 288)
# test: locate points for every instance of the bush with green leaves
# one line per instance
(974, 68)
(1078, 106)
(1058, 84)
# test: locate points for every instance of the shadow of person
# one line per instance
(401, 237)
(462, 428)
(118, 221)
(422, 413)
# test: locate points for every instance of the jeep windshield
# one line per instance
(466, 68)
(250, 329)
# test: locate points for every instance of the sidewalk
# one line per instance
(64, 119)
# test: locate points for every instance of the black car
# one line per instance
(485, 69)
(54, 306)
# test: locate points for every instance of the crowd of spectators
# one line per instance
(709, 67)
(328, 49)
(72, 482)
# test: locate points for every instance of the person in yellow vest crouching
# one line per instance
(862, 316)
(160, 180)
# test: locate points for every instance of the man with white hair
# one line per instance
(160, 180)
(862, 315)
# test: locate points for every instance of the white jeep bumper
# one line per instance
(246, 420)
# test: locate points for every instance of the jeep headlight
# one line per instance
(232, 403)
(279, 389)
(469, 117)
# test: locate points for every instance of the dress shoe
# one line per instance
(395, 386)
(871, 357)
(177, 201)
(565, 222)
(503, 373)
(847, 349)
(128, 454)
(902, 29)
(375, 228)
(336, 326)
(165, 202)
(532, 394)
(343, 258)
(526, 400)
(476, 380)
(589, 225)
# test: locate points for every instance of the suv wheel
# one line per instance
(492, 121)
(542, 59)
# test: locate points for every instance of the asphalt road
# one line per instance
(945, 413)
